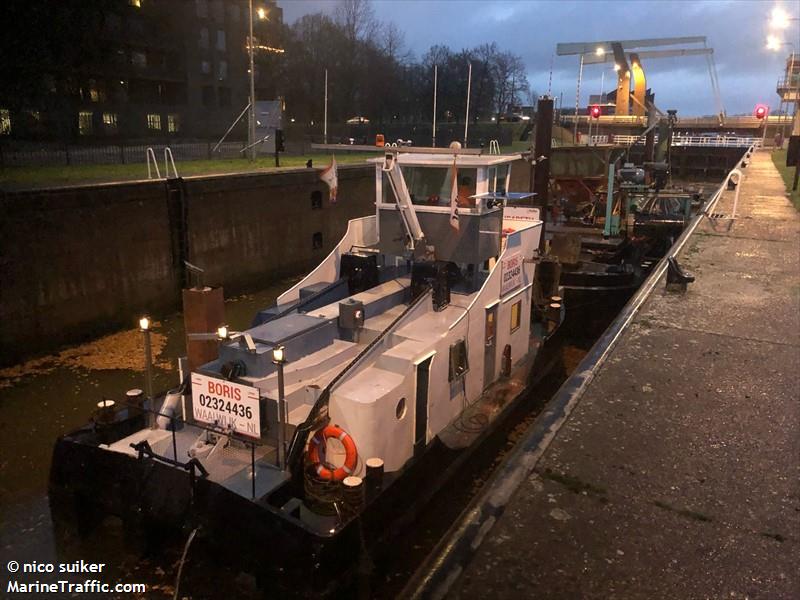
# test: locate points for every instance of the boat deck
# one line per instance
(229, 466)
(676, 473)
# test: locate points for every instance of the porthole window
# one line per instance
(400, 410)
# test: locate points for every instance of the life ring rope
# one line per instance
(351, 453)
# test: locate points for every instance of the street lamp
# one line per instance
(251, 130)
(144, 327)
(780, 19)
(279, 359)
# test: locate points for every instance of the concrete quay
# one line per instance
(677, 473)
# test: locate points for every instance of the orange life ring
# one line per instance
(351, 454)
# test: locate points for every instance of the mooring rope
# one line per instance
(183, 559)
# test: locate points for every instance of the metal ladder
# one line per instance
(168, 160)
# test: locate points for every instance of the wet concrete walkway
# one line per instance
(678, 473)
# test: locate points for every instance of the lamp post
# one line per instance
(577, 100)
(781, 20)
(774, 44)
(144, 327)
(279, 359)
(251, 130)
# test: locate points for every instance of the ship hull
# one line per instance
(154, 499)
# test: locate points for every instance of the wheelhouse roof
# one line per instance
(445, 159)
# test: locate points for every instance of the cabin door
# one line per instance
(421, 406)
(490, 346)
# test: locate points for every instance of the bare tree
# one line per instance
(392, 42)
(532, 96)
(356, 18)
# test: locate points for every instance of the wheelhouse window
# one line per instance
(430, 186)
(173, 123)
(154, 122)
(516, 315)
(459, 362)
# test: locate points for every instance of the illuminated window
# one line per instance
(203, 42)
(516, 316)
(110, 121)
(222, 70)
(135, 3)
(220, 40)
(5, 121)
(154, 121)
(173, 123)
(85, 122)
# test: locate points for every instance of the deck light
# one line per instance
(262, 13)
(600, 51)
(279, 359)
(144, 327)
(617, 67)
(277, 355)
(222, 332)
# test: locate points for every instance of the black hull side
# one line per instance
(592, 300)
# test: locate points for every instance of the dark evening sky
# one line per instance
(736, 29)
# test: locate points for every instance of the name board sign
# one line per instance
(520, 213)
(510, 273)
(226, 404)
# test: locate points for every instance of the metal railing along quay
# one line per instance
(718, 141)
(451, 556)
(745, 121)
(30, 154)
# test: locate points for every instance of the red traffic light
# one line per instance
(595, 111)
(761, 111)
